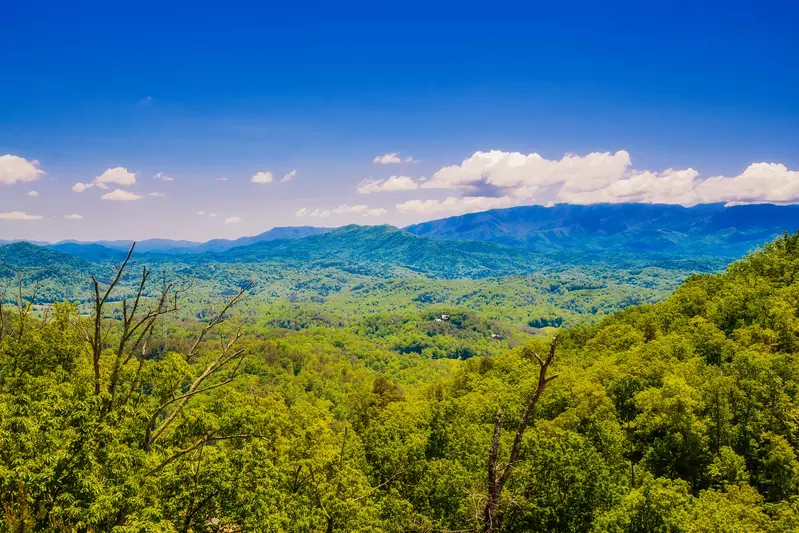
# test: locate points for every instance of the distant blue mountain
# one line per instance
(494, 242)
(274, 234)
(113, 250)
(27, 255)
(89, 251)
(381, 248)
(708, 229)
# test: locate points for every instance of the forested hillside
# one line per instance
(701, 230)
(354, 271)
(680, 416)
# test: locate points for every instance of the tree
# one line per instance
(497, 477)
(67, 425)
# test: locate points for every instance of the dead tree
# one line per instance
(136, 325)
(2, 315)
(492, 514)
(138, 321)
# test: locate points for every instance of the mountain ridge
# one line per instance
(704, 229)
(191, 247)
(722, 230)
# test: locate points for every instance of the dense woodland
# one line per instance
(146, 406)
(354, 271)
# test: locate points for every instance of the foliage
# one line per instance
(677, 416)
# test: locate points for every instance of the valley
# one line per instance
(352, 378)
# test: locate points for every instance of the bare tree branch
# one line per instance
(2, 314)
(97, 340)
(24, 307)
(218, 319)
(492, 514)
(208, 438)
(154, 431)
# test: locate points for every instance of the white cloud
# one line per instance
(18, 215)
(163, 177)
(394, 183)
(115, 176)
(33, 193)
(120, 195)
(454, 205)
(289, 176)
(74, 216)
(232, 220)
(211, 214)
(387, 159)
(15, 169)
(531, 173)
(759, 182)
(158, 194)
(200, 212)
(262, 177)
(221, 179)
(345, 209)
(410, 159)
(607, 177)
(667, 187)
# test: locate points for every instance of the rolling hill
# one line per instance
(708, 230)
(384, 247)
(104, 250)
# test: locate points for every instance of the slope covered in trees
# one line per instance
(356, 270)
(701, 230)
(678, 416)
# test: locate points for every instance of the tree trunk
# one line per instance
(491, 518)
(492, 514)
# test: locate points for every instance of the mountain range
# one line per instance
(707, 229)
(496, 242)
(168, 246)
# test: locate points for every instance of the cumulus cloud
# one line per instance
(120, 195)
(18, 215)
(667, 187)
(345, 209)
(607, 177)
(33, 193)
(527, 175)
(410, 159)
(387, 159)
(233, 220)
(163, 177)
(115, 176)
(289, 176)
(262, 177)
(455, 205)
(15, 169)
(760, 182)
(158, 194)
(112, 176)
(394, 183)
(74, 216)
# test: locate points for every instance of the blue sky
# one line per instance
(676, 103)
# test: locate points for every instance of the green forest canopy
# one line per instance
(679, 416)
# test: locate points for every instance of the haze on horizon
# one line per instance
(171, 122)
